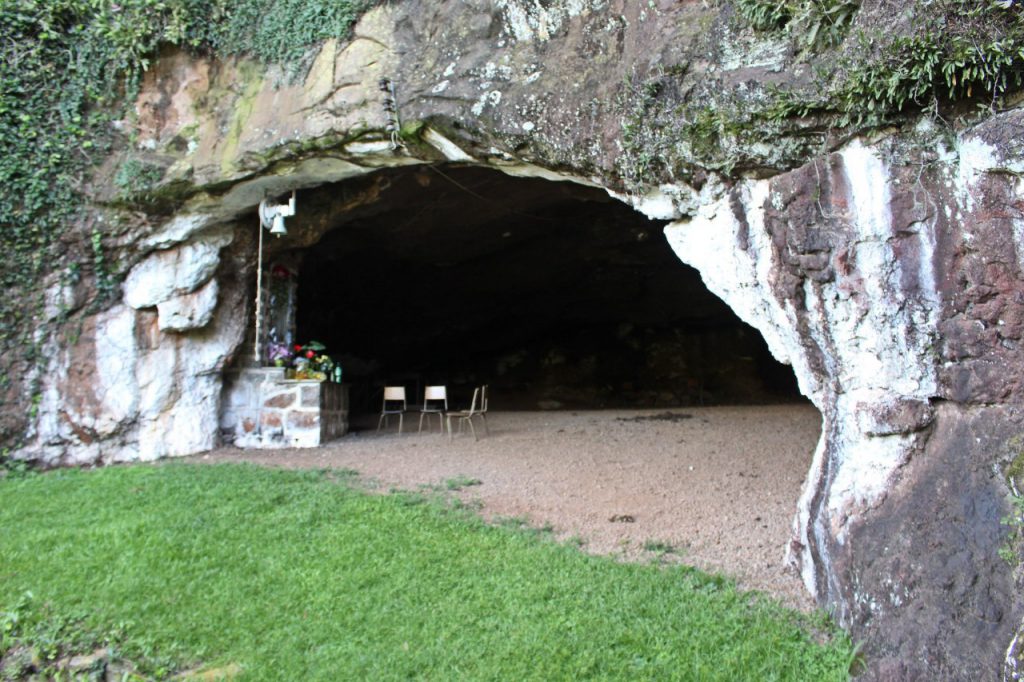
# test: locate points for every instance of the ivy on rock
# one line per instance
(67, 69)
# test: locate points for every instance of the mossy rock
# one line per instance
(1012, 463)
(1015, 472)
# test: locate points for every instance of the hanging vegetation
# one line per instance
(67, 69)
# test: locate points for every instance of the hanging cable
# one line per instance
(499, 204)
(259, 294)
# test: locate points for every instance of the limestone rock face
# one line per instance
(188, 311)
(144, 384)
(846, 267)
(888, 271)
(174, 272)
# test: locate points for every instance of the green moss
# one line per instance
(1015, 472)
(251, 84)
(411, 130)
(666, 138)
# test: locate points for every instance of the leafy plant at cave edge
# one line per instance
(953, 50)
(67, 69)
(813, 23)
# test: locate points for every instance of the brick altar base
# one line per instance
(262, 409)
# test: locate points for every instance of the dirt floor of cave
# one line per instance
(719, 484)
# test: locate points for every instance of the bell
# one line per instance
(278, 228)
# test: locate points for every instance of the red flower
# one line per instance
(298, 347)
(310, 354)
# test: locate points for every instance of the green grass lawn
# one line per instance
(295, 576)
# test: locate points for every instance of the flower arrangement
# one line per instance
(280, 354)
(304, 361)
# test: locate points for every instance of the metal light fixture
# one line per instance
(272, 216)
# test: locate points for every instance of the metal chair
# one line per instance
(435, 401)
(395, 395)
(477, 408)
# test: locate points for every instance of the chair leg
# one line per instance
(420, 430)
(471, 428)
(450, 435)
(400, 416)
(380, 422)
(484, 418)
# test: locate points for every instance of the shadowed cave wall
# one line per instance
(555, 294)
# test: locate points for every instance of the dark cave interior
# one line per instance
(553, 293)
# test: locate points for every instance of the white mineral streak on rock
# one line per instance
(143, 393)
(741, 277)
(173, 272)
(976, 158)
(672, 202)
(528, 20)
(188, 311)
(658, 204)
(157, 374)
(519, 169)
(871, 338)
(59, 298)
(186, 425)
(81, 414)
(491, 99)
(180, 386)
(1018, 224)
(875, 342)
(875, 333)
(451, 151)
(1012, 671)
(378, 148)
(115, 369)
(48, 429)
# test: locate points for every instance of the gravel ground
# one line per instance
(717, 484)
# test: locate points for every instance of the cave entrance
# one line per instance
(553, 293)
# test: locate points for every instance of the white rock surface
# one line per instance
(874, 340)
(176, 271)
(189, 311)
(176, 230)
(116, 355)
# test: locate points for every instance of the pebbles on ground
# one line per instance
(717, 487)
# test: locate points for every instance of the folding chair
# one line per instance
(477, 408)
(435, 401)
(396, 396)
